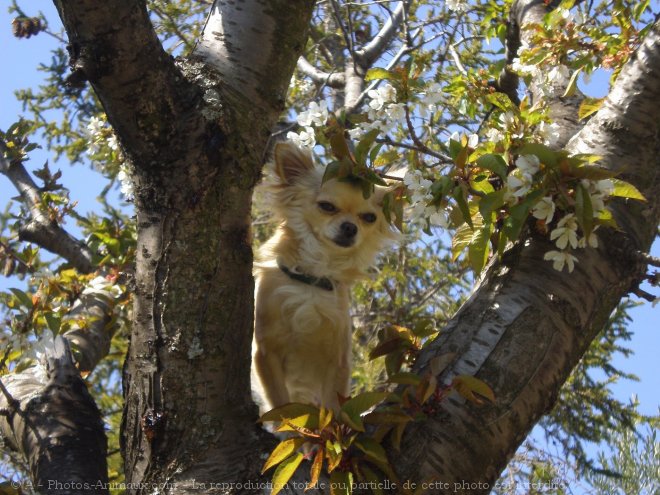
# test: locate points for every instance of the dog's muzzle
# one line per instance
(347, 233)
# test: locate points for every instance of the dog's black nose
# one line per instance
(348, 230)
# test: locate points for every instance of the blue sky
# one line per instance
(20, 59)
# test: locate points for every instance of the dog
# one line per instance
(327, 238)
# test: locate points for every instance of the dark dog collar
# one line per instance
(320, 282)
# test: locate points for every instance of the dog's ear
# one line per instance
(291, 162)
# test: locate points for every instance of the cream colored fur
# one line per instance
(302, 338)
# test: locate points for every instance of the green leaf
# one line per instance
(284, 472)
(461, 201)
(587, 171)
(22, 297)
(376, 73)
(371, 448)
(339, 145)
(501, 101)
(405, 378)
(491, 202)
(589, 106)
(460, 241)
(306, 413)
(584, 210)
(624, 189)
(355, 407)
(341, 483)
(478, 249)
(315, 470)
(468, 386)
(455, 147)
(387, 417)
(364, 145)
(639, 9)
(605, 218)
(281, 452)
(572, 84)
(389, 346)
(424, 327)
(495, 163)
(53, 322)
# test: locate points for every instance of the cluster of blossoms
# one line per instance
(548, 78)
(457, 5)
(565, 234)
(315, 115)
(384, 112)
(519, 183)
(103, 147)
(507, 123)
(419, 193)
(100, 136)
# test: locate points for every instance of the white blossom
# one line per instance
(381, 96)
(561, 258)
(316, 114)
(559, 75)
(604, 187)
(126, 185)
(544, 209)
(439, 217)
(494, 135)
(457, 5)
(113, 142)
(591, 241)
(304, 139)
(549, 133)
(396, 111)
(524, 69)
(518, 184)
(528, 164)
(432, 94)
(508, 119)
(566, 232)
(473, 141)
(95, 126)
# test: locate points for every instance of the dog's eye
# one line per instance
(368, 217)
(327, 207)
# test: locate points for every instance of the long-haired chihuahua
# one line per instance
(328, 236)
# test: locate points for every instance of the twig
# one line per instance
(398, 144)
(417, 141)
(644, 295)
(41, 230)
(347, 38)
(647, 258)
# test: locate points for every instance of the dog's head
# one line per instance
(332, 218)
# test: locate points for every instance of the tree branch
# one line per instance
(55, 424)
(331, 79)
(113, 45)
(244, 43)
(368, 54)
(41, 230)
(525, 310)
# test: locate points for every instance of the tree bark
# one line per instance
(526, 325)
(50, 418)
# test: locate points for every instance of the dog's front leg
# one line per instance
(271, 375)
